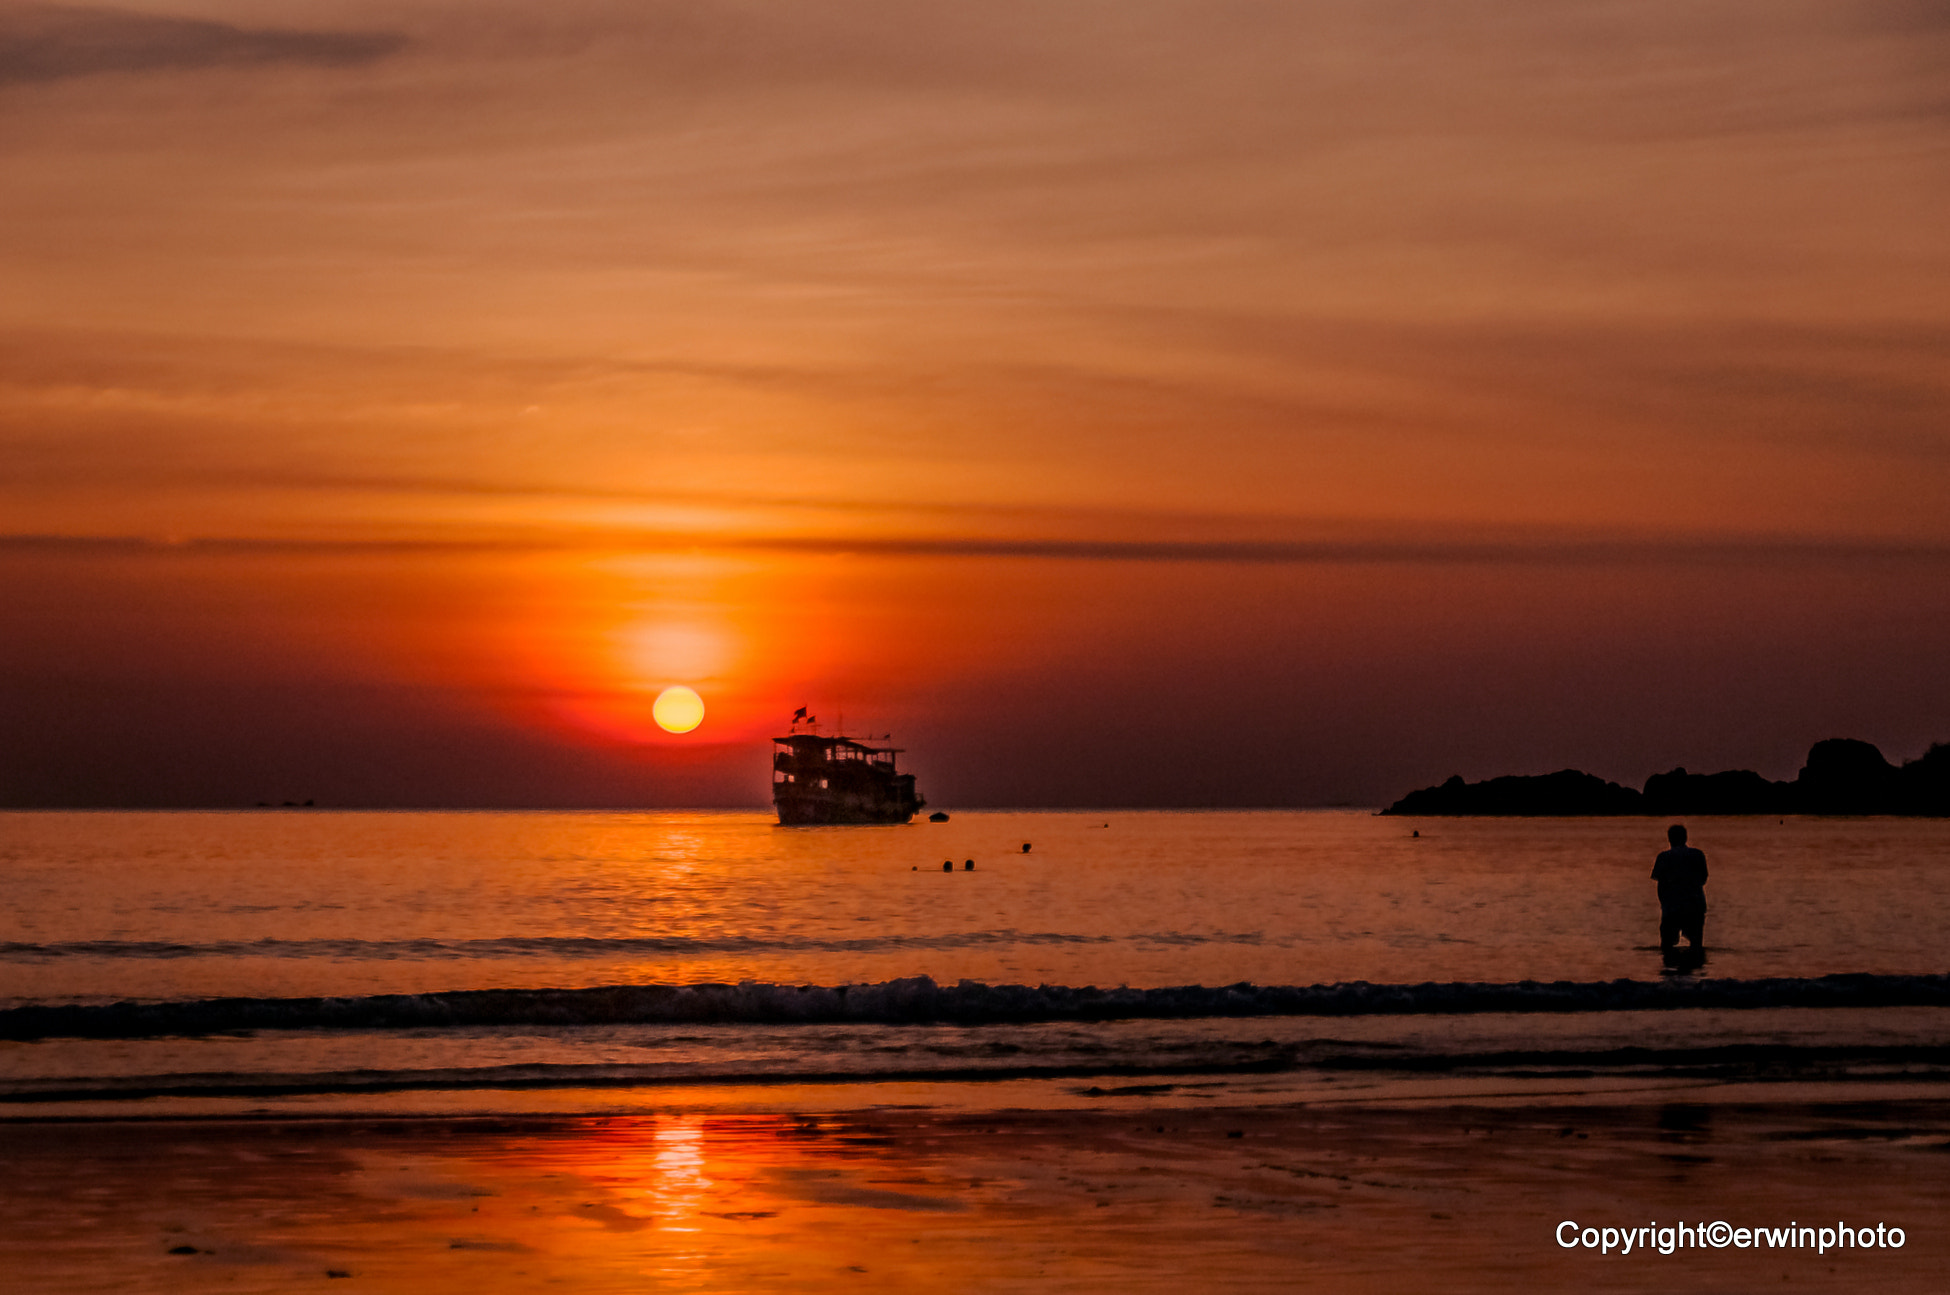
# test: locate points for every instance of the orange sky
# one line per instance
(1335, 395)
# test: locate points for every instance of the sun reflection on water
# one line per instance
(678, 1184)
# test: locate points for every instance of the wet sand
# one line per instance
(1140, 1198)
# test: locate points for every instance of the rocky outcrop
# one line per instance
(1923, 784)
(1842, 776)
(1566, 792)
(1737, 791)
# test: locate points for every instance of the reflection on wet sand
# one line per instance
(1348, 1198)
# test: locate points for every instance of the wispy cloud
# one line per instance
(1538, 549)
(53, 43)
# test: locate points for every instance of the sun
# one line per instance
(678, 709)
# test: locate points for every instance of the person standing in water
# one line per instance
(1681, 874)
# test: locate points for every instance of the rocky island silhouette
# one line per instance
(1842, 776)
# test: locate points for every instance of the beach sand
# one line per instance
(1139, 1198)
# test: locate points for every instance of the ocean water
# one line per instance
(212, 960)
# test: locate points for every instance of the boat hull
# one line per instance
(807, 812)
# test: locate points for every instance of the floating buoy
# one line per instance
(937, 817)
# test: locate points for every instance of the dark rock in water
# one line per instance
(1738, 791)
(1923, 784)
(1844, 776)
(1566, 792)
(937, 817)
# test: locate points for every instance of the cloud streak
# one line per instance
(45, 43)
(1686, 551)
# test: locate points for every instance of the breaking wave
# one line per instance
(920, 1000)
(1228, 1060)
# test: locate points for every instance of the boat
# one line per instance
(818, 778)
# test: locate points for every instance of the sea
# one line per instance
(316, 961)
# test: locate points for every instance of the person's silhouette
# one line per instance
(1681, 874)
